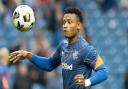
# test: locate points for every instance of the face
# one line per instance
(71, 25)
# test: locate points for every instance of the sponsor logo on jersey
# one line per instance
(66, 66)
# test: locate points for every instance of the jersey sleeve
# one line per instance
(91, 57)
(49, 63)
(56, 55)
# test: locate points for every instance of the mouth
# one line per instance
(65, 31)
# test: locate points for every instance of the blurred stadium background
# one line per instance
(106, 27)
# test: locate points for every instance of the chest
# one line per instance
(70, 55)
(71, 60)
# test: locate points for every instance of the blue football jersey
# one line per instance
(77, 58)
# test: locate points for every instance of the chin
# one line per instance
(67, 36)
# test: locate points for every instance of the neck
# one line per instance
(72, 40)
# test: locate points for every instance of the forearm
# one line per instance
(43, 63)
(99, 76)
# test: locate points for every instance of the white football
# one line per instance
(23, 18)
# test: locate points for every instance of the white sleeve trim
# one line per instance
(87, 82)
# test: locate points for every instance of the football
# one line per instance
(23, 18)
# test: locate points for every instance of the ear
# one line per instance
(79, 25)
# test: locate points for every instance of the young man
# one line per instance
(77, 57)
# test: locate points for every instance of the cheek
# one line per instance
(72, 32)
(73, 26)
(74, 29)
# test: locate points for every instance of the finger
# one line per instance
(78, 77)
(81, 84)
(13, 54)
(18, 57)
(11, 57)
(79, 80)
(15, 60)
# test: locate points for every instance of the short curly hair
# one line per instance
(74, 11)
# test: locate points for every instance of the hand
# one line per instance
(18, 55)
(79, 79)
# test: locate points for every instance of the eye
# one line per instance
(64, 21)
(69, 21)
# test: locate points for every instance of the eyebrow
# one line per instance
(67, 19)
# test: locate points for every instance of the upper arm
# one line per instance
(98, 62)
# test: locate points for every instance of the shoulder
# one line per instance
(83, 43)
(87, 49)
(63, 43)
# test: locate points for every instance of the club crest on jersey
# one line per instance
(75, 55)
(62, 53)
